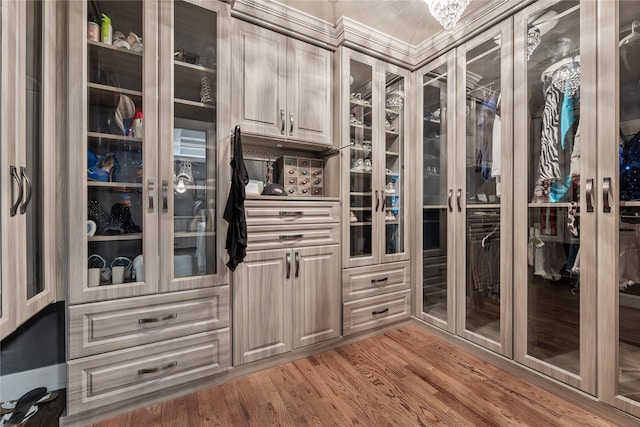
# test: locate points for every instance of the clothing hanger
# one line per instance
(486, 239)
(551, 70)
(634, 36)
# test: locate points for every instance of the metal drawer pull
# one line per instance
(297, 259)
(291, 121)
(158, 369)
(158, 319)
(377, 201)
(27, 181)
(589, 191)
(14, 174)
(290, 213)
(287, 258)
(458, 197)
(291, 236)
(606, 189)
(380, 311)
(449, 200)
(282, 121)
(384, 279)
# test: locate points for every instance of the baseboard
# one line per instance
(52, 377)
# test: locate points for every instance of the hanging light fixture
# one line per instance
(447, 12)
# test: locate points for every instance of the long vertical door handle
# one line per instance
(14, 174)
(165, 195)
(589, 194)
(384, 200)
(150, 194)
(290, 123)
(27, 198)
(297, 259)
(458, 197)
(606, 191)
(282, 121)
(377, 201)
(287, 258)
(449, 200)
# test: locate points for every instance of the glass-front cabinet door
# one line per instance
(619, 207)
(189, 154)
(483, 193)
(554, 190)
(433, 162)
(28, 220)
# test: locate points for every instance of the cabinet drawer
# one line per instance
(362, 282)
(272, 237)
(376, 311)
(267, 212)
(113, 325)
(123, 375)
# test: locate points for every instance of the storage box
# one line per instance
(301, 176)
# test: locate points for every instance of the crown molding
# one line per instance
(372, 42)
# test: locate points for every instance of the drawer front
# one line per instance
(112, 325)
(374, 312)
(124, 375)
(265, 212)
(271, 237)
(365, 282)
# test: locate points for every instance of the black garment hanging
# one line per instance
(234, 212)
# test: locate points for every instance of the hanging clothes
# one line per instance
(234, 212)
(549, 167)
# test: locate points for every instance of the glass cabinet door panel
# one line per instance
(361, 153)
(194, 141)
(628, 384)
(435, 89)
(33, 203)
(553, 174)
(115, 146)
(483, 188)
(394, 197)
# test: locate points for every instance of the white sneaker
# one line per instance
(389, 189)
(389, 216)
(353, 217)
(358, 166)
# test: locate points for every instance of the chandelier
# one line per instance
(447, 12)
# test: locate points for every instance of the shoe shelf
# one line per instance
(360, 224)
(186, 73)
(360, 193)
(185, 234)
(103, 94)
(123, 60)
(95, 136)
(198, 111)
(120, 186)
(115, 237)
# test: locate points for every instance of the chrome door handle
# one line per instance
(165, 195)
(297, 259)
(458, 197)
(282, 121)
(377, 201)
(589, 194)
(449, 200)
(287, 258)
(27, 181)
(14, 174)
(150, 194)
(606, 190)
(290, 123)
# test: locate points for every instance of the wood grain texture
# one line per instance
(405, 377)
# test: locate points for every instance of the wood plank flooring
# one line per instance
(403, 378)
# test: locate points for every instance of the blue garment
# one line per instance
(567, 117)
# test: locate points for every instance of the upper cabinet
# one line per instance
(28, 161)
(144, 209)
(282, 86)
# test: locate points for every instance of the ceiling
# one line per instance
(406, 20)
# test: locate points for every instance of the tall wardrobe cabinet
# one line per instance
(148, 292)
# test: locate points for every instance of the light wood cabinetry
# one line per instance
(148, 289)
(289, 297)
(282, 86)
(28, 162)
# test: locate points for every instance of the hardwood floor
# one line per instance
(403, 378)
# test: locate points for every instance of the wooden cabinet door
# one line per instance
(259, 76)
(308, 115)
(262, 305)
(316, 294)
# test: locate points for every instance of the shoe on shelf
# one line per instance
(388, 171)
(367, 165)
(353, 120)
(388, 127)
(352, 217)
(389, 216)
(119, 40)
(134, 41)
(358, 166)
(389, 189)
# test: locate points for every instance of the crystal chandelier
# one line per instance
(447, 12)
